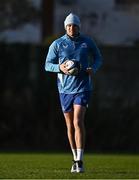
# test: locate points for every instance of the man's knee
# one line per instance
(78, 124)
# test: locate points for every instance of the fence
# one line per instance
(30, 113)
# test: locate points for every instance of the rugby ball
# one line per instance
(73, 67)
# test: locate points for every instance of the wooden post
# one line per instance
(47, 18)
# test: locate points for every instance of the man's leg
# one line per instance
(79, 114)
(70, 128)
(71, 136)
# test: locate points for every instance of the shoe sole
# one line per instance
(80, 171)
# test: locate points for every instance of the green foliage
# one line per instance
(57, 166)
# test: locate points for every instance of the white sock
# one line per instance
(79, 154)
(74, 152)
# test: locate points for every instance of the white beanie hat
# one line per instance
(72, 19)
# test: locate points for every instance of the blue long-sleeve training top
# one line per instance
(82, 49)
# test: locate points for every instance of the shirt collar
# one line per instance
(74, 38)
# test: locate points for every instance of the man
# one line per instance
(74, 90)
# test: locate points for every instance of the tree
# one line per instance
(14, 13)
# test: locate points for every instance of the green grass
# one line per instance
(57, 166)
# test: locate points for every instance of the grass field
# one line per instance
(57, 166)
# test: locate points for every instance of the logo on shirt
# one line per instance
(65, 45)
(84, 45)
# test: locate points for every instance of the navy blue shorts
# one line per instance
(68, 100)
